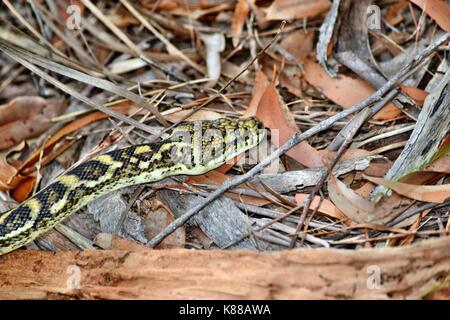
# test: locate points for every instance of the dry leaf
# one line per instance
(199, 115)
(261, 84)
(353, 153)
(24, 189)
(436, 194)
(296, 9)
(343, 90)
(376, 169)
(349, 202)
(27, 117)
(417, 94)
(240, 14)
(440, 165)
(70, 128)
(326, 207)
(230, 70)
(439, 10)
(393, 15)
(9, 174)
(157, 218)
(9, 177)
(299, 43)
(164, 5)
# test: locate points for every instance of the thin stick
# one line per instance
(299, 137)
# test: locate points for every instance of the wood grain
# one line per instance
(406, 272)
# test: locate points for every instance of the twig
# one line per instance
(391, 236)
(299, 137)
(416, 211)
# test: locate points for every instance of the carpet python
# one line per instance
(192, 148)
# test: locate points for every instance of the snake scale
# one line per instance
(192, 148)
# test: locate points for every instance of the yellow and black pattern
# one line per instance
(193, 148)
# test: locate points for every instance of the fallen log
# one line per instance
(383, 273)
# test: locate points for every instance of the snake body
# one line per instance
(193, 148)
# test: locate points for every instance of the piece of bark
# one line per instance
(221, 221)
(405, 272)
(55, 241)
(296, 180)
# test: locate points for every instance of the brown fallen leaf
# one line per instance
(230, 164)
(27, 117)
(417, 94)
(378, 169)
(165, 5)
(274, 114)
(418, 177)
(440, 165)
(68, 129)
(261, 84)
(394, 15)
(350, 154)
(439, 10)
(344, 90)
(240, 14)
(24, 189)
(436, 194)
(349, 202)
(296, 9)
(199, 115)
(354, 205)
(9, 174)
(299, 43)
(157, 217)
(326, 207)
